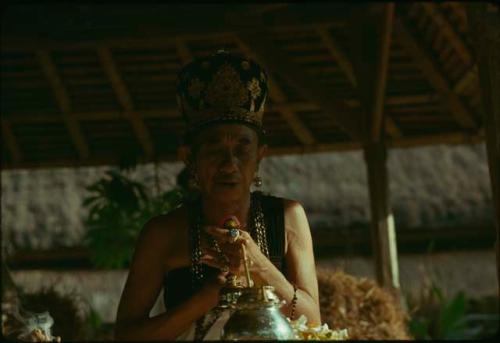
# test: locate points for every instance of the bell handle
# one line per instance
(247, 268)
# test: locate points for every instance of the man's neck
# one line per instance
(214, 211)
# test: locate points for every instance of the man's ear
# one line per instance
(184, 154)
(261, 152)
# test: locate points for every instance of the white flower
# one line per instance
(321, 332)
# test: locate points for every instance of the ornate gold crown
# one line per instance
(223, 87)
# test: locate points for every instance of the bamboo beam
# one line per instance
(173, 113)
(140, 129)
(429, 67)
(458, 138)
(63, 101)
(382, 221)
(337, 54)
(456, 41)
(296, 124)
(153, 40)
(448, 31)
(465, 80)
(167, 22)
(484, 24)
(279, 62)
(11, 141)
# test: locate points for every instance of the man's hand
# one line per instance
(232, 249)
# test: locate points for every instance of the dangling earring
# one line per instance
(257, 181)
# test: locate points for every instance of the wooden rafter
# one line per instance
(11, 141)
(465, 80)
(159, 40)
(279, 62)
(270, 8)
(278, 96)
(63, 101)
(173, 113)
(429, 67)
(138, 125)
(337, 54)
(458, 138)
(346, 66)
(432, 9)
(164, 24)
(448, 31)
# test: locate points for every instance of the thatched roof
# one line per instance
(89, 84)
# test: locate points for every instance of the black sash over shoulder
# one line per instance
(177, 282)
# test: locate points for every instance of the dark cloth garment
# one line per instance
(177, 282)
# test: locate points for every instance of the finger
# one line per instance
(209, 251)
(222, 277)
(233, 249)
(212, 262)
(208, 256)
(221, 262)
(220, 234)
(215, 230)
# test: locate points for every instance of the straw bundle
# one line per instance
(362, 307)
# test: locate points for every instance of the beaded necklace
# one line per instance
(258, 233)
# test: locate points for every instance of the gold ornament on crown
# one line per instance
(226, 90)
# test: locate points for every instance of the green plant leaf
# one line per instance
(438, 292)
(94, 319)
(451, 315)
(118, 208)
(419, 328)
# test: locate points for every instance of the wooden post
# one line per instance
(484, 24)
(370, 40)
(382, 220)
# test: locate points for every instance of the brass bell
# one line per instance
(257, 316)
(255, 311)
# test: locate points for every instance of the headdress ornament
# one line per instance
(222, 88)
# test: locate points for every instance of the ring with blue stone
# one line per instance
(234, 233)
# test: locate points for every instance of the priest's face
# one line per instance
(226, 158)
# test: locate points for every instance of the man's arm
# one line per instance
(300, 266)
(143, 286)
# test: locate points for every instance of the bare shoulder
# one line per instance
(296, 224)
(166, 234)
(293, 208)
(164, 226)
